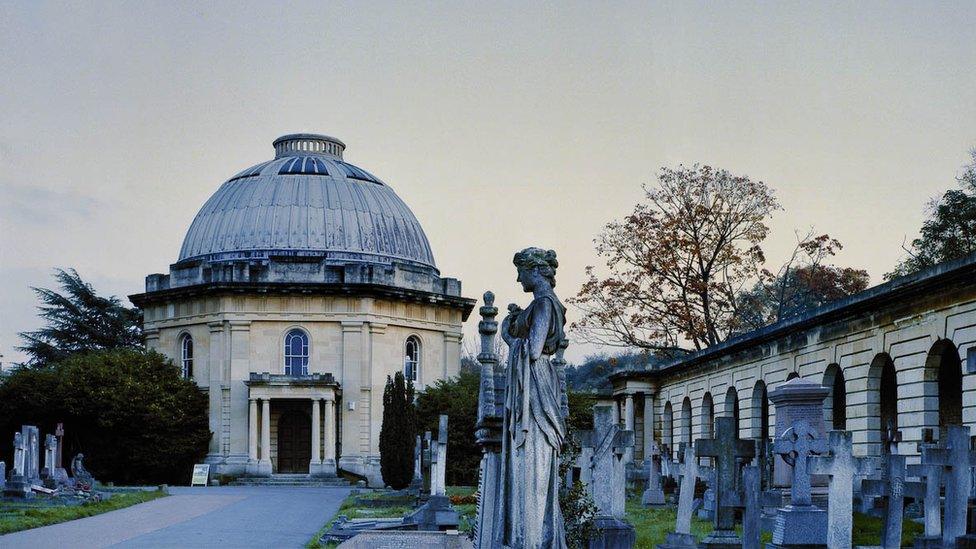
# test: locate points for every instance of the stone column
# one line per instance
(648, 424)
(252, 429)
(329, 464)
(315, 466)
(266, 437)
(629, 424)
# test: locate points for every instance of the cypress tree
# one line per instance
(397, 435)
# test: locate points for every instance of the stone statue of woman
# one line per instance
(534, 427)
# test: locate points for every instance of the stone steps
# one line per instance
(291, 480)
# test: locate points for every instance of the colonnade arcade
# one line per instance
(292, 424)
(871, 399)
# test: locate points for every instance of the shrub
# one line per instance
(129, 411)
(458, 398)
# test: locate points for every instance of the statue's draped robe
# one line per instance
(533, 432)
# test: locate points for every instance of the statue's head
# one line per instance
(536, 267)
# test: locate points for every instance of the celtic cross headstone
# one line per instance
(800, 523)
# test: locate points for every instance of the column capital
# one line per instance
(217, 326)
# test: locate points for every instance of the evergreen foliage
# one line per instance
(398, 432)
(458, 398)
(77, 319)
(129, 411)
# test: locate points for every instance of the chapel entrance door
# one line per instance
(294, 442)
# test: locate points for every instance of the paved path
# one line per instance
(231, 517)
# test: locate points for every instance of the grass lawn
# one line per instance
(465, 507)
(653, 525)
(15, 517)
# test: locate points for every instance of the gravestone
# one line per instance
(32, 453)
(751, 526)
(892, 488)
(3, 475)
(50, 454)
(425, 459)
(956, 458)
(800, 524)
(437, 513)
(654, 494)
(687, 468)
(928, 490)
(489, 526)
(727, 450)
(609, 478)
(18, 486)
(842, 468)
(418, 476)
(707, 509)
(797, 399)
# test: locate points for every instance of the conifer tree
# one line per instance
(398, 433)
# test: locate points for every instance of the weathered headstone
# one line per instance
(426, 455)
(59, 433)
(438, 471)
(50, 454)
(19, 485)
(608, 486)
(727, 450)
(751, 527)
(892, 487)
(842, 467)
(928, 490)
(437, 513)
(800, 524)
(796, 400)
(654, 494)
(707, 509)
(956, 458)
(32, 453)
(418, 476)
(687, 468)
(3, 475)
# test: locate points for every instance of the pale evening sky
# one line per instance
(501, 125)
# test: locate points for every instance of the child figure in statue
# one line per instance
(534, 428)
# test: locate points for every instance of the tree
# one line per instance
(398, 433)
(803, 283)
(77, 319)
(950, 230)
(678, 263)
(129, 411)
(458, 398)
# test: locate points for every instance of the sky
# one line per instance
(501, 124)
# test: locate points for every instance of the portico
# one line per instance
(292, 424)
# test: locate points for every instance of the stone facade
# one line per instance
(896, 352)
(309, 244)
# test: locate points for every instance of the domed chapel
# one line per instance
(302, 283)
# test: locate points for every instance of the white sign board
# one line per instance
(201, 473)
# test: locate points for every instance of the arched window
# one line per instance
(296, 353)
(411, 358)
(186, 356)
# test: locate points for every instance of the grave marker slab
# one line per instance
(18, 486)
(32, 453)
(727, 450)
(892, 487)
(609, 480)
(796, 400)
(751, 516)
(654, 494)
(682, 538)
(842, 467)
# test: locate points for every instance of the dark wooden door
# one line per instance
(294, 442)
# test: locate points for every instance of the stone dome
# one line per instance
(307, 202)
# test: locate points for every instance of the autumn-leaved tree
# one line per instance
(949, 232)
(677, 264)
(803, 283)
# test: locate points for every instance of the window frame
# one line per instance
(186, 359)
(302, 357)
(412, 365)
